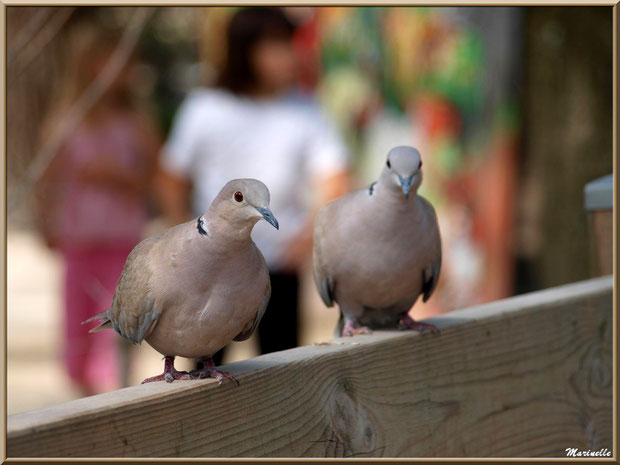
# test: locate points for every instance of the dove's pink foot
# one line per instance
(209, 371)
(406, 322)
(169, 374)
(351, 329)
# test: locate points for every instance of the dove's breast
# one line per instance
(381, 257)
(207, 314)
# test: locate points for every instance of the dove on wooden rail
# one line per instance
(377, 249)
(194, 288)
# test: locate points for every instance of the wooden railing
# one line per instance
(528, 376)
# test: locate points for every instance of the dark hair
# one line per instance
(246, 28)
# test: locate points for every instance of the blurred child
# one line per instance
(254, 125)
(92, 203)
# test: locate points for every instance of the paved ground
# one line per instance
(35, 376)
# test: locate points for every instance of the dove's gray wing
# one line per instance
(135, 310)
(430, 277)
(430, 274)
(252, 324)
(324, 282)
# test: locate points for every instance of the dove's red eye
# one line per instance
(238, 196)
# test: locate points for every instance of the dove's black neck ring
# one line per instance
(371, 189)
(200, 226)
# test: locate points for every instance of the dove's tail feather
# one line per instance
(103, 317)
(104, 325)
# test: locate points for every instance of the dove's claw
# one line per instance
(406, 322)
(170, 377)
(169, 374)
(209, 371)
(153, 378)
(350, 329)
(222, 375)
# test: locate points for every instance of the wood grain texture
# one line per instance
(525, 377)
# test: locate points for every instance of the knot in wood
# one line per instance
(352, 423)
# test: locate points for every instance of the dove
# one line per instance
(194, 288)
(377, 249)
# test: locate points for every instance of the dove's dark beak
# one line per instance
(405, 183)
(268, 216)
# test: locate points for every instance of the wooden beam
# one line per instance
(523, 377)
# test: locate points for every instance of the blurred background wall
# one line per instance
(511, 108)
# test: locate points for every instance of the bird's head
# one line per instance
(243, 202)
(403, 170)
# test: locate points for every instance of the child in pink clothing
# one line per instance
(93, 208)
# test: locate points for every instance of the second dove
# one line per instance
(376, 250)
